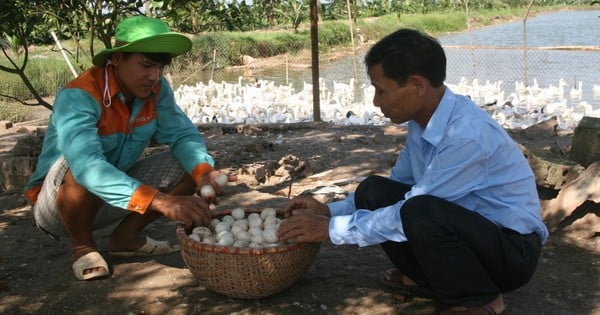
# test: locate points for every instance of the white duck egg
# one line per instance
(244, 236)
(255, 245)
(202, 231)
(268, 212)
(195, 237)
(207, 191)
(222, 226)
(270, 221)
(222, 179)
(257, 238)
(255, 222)
(222, 234)
(237, 229)
(240, 243)
(270, 236)
(238, 213)
(227, 239)
(242, 222)
(214, 223)
(255, 230)
(209, 240)
(272, 226)
(228, 218)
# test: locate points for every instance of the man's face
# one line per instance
(136, 74)
(396, 102)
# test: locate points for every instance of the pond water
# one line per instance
(470, 56)
(507, 60)
(573, 28)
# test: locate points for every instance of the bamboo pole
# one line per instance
(352, 41)
(287, 70)
(64, 54)
(525, 75)
(214, 61)
(314, 47)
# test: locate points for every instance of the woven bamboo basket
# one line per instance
(247, 273)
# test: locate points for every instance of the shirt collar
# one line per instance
(436, 126)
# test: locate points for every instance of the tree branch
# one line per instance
(40, 101)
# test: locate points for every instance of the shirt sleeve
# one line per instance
(454, 171)
(75, 115)
(177, 130)
(402, 171)
(366, 227)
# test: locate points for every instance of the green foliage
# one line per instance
(16, 112)
(291, 42)
(435, 23)
(294, 12)
(332, 33)
(47, 74)
(230, 46)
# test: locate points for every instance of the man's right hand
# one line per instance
(305, 204)
(190, 210)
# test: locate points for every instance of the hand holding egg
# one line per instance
(210, 191)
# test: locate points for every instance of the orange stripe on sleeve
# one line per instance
(142, 198)
(200, 170)
(32, 194)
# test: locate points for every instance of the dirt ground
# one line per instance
(36, 276)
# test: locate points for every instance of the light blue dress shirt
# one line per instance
(462, 156)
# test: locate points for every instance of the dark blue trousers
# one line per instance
(463, 257)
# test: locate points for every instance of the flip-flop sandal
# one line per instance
(151, 248)
(89, 261)
(405, 290)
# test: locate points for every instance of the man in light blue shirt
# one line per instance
(459, 215)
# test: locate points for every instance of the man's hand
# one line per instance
(190, 210)
(305, 204)
(304, 227)
(209, 179)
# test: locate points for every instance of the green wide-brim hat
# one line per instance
(144, 34)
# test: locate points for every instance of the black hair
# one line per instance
(407, 52)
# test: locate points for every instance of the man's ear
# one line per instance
(115, 58)
(418, 84)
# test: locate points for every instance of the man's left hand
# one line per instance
(304, 227)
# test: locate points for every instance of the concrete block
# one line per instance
(5, 124)
(585, 148)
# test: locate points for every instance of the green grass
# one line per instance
(16, 112)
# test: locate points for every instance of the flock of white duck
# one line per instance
(262, 101)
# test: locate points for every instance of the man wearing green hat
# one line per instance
(89, 174)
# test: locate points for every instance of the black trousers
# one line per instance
(462, 256)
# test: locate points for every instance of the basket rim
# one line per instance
(186, 242)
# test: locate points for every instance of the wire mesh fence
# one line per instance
(510, 67)
(569, 68)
